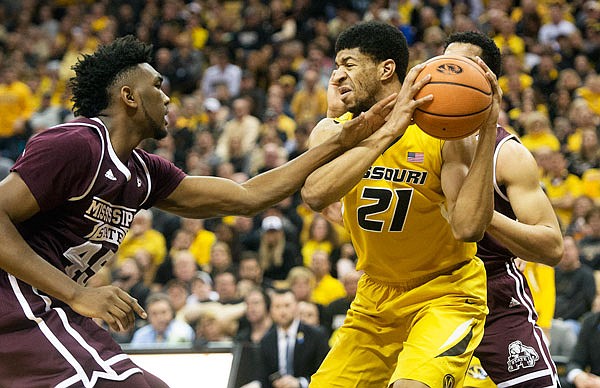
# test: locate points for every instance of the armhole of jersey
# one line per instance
(343, 118)
(147, 172)
(111, 151)
(99, 162)
(496, 153)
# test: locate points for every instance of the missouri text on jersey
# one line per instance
(113, 221)
(396, 175)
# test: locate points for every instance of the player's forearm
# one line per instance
(18, 259)
(275, 185)
(537, 243)
(475, 202)
(332, 181)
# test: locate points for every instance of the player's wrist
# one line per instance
(71, 293)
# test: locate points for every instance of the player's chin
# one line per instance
(161, 133)
(348, 98)
(351, 105)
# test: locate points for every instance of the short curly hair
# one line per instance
(96, 73)
(490, 53)
(378, 40)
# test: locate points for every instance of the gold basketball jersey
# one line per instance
(396, 213)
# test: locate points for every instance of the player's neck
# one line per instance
(122, 136)
(388, 88)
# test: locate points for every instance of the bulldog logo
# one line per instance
(521, 356)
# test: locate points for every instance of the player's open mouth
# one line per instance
(344, 90)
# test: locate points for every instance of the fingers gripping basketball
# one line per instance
(462, 97)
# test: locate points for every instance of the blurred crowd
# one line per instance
(247, 81)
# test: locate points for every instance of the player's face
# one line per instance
(463, 49)
(154, 102)
(356, 80)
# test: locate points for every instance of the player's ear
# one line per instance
(128, 97)
(387, 69)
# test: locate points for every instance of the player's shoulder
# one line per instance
(71, 140)
(509, 144)
(78, 132)
(325, 129)
(149, 158)
(515, 163)
(332, 123)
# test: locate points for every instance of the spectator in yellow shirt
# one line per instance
(582, 117)
(540, 278)
(561, 186)
(507, 40)
(202, 242)
(327, 288)
(538, 133)
(309, 103)
(513, 69)
(142, 236)
(15, 109)
(321, 237)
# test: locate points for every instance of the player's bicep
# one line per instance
(518, 171)
(16, 199)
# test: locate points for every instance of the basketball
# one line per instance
(462, 97)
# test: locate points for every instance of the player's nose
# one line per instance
(338, 75)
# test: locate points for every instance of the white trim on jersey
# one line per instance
(111, 151)
(46, 300)
(522, 296)
(148, 178)
(80, 374)
(496, 153)
(527, 377)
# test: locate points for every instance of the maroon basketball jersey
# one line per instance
(87, 200)
(513, 350)
(491, 251)
(87, 196)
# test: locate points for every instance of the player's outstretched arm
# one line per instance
(535, 235)
(202, 197)
(332, 181)
(109, 303)
(467, 181)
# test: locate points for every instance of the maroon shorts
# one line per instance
(46, 344)
(513, 351)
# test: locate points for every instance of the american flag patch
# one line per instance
(415, 157)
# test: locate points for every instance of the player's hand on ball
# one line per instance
(401, 116)
(492, 119)
(109, 303)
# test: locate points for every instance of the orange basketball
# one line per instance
(462, 97)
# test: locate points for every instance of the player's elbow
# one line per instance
(469, 237)
(556, 253)
(469, 233)
(314, 201)
(549, 251)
